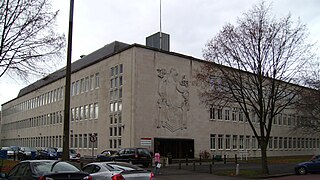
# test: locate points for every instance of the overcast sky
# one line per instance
(190, 23)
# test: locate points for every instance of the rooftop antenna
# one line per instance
(160, 29)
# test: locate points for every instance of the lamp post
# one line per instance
(66, 122)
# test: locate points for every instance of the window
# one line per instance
(234, 114)
(285, 142)
(270, 142)
(80, 141)
(82, 85)
(76, 141)
(228, 142)
(247, 142)
(227, 114)
(285, 122)
(234, 142)
(115, 131)
(97, 80)
(241, 142)
(220, 141)
(96, 111)
(280, 119)
(110, 129)
(91, 111)
(77, 87)
(275, 142)
(86, 111)
(86, 84)
(120, 68)
(120, 131)
(111, 119)
(71, 141)
(212, 115)
(212, 141)
(81, 112)
(85, 140)
(290, 143)
(240, 116)
(254, 142)
(76, 113)
(220, 113)
(91, 82)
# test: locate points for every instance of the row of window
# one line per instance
(76, 141)
(237, 115)
(115, 143)
(115, 128)
(85, 84)
(41, 100)
(242, 142)
(46, 119)
(116, 70)
(115, 119)
(88, 111)
(115, 131)
(82, 141)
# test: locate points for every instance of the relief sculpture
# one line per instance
(173, 100)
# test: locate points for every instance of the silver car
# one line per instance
(117, 170)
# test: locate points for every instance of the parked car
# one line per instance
(133, 156)
(74, 156)
(10, 152)
(45, 169)
(311, 166)
(117, 171)
(27, 153)
(105, 155)
(47, 153)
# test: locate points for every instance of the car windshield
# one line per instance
(121, 167)
(51, 150)
(53, 166)
(72, 151)
(29, 149)
(7, 148)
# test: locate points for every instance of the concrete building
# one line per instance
(138, 96)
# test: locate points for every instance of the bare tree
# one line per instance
(27, 37)
(308, 108)
(253, 66)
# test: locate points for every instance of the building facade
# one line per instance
(137, 96)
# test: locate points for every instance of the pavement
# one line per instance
(203, 172)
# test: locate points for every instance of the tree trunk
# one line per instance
(264, 161)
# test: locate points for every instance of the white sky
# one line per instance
(190, 23)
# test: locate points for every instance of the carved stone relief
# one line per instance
(173, 100)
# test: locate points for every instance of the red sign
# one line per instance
(93, 138)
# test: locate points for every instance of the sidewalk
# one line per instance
(203, 172)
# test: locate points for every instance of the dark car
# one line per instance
(47, 153)
(45, 169)
(27, 153)
(105, 155)
(133, 156)
(311, 166)
(117, 170)
(73, 155)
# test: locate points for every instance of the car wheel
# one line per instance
(302, 170)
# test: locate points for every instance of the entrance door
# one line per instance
(178, 148)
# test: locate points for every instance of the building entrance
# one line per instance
(178, 148)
